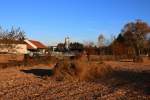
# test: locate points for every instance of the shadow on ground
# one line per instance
(132, 76)
(137, 81)
(39, 72)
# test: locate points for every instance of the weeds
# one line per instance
(81, 70)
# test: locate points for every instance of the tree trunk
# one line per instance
(137, 57)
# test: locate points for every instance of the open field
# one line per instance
(129, 65)
(37, 83)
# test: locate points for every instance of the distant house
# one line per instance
(35, 47)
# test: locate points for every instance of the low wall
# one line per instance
(5, 58)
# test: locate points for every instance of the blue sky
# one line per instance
(83, 20)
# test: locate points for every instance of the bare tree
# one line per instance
(76, 46)
(134, 34)
(61, 47)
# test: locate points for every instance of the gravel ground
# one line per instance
(31, 84)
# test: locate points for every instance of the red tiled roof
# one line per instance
(29, 46)
(38, 44)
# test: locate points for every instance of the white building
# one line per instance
(35, 47)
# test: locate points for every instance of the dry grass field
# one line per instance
(126, 81)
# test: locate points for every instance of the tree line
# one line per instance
(133, 40)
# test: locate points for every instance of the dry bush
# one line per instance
(107, 58)
(92, 70)
(3, 65)
(138, 59)
(64, 70)
(81, 70)
(46, 60)
(95, 58)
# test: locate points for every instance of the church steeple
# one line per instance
(67, 42)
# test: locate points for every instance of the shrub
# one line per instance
(138, 59)
(93, 70)
(81, 70)
(64, 70)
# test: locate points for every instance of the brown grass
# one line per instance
(81, 69)
(93, 70)
(64, 70)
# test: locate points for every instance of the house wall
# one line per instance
(14, 48)
(21, 49)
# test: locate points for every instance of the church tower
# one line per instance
(67, 42)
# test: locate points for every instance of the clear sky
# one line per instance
(51, 20)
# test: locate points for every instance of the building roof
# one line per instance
(32, 44)
(30, 47)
